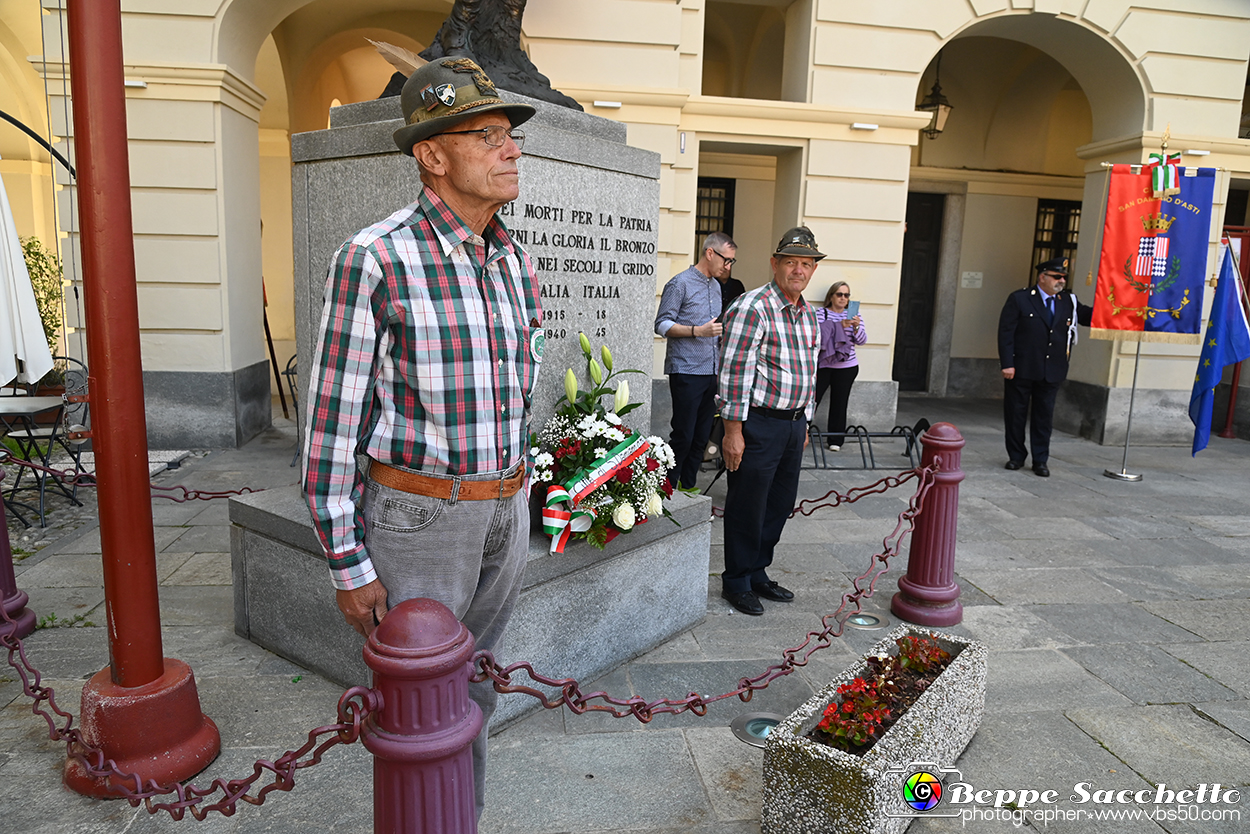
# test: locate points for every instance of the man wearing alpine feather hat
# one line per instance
(767, 386)
(429, 346)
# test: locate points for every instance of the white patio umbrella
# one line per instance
(24, 354)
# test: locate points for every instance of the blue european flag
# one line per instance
(1226, 342)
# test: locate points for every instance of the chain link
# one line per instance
(354, 706)
(73, 478)
(578, 702)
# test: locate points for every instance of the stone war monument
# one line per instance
(587, 214)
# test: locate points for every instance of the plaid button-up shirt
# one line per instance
(427, 355)
(769, 354)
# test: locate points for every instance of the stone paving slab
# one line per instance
(1176, 747)
(1136, 527)
(1040, 680)
(731, 771)
(1223, 661)
(1148, 675)
(1044, 586)
(1149, 583)
(1012, 627)
(592, 782)
(1103, 624)
(86, 570)
(1233, 716)
(1060, 756)
(1172, 552)
(201, 569)
(1210, 619)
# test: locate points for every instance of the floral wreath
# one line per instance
(597, 477)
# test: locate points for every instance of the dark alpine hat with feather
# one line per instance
(446, 92)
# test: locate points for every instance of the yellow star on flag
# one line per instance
(1206, 363)
(1211, 343)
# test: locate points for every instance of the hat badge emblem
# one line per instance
(446, 94)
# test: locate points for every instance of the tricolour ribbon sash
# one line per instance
(1164, 174)
(561, 514)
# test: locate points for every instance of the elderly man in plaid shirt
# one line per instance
(429, 346)
(767, 385)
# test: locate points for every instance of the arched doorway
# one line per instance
(1029, 92)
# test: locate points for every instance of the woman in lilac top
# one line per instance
(838, 365)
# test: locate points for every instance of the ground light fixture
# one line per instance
(867, 622)
(754, 727)
(936, 104)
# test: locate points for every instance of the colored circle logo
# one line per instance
(922, 791)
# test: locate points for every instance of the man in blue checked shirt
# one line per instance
(689, 318)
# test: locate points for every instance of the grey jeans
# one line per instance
(468, 555)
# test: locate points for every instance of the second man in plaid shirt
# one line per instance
(767, 385)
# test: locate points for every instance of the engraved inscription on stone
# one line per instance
(592, 236)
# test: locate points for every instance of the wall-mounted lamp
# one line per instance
(608, 105)
(135, 82)
(1196, 153)
(936, 104)
(863, 126)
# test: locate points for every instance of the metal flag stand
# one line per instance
(1123, 474)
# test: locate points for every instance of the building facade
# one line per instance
(766, 114)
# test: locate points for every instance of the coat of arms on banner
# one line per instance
(1154, 256)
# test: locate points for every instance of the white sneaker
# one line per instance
(834, 448)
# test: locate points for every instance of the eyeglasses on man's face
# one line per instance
(494, 135)
(728, 261)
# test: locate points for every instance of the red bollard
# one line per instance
(421, 736)
(13, 600)
(928, 594)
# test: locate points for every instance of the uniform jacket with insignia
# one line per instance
(1037, 350)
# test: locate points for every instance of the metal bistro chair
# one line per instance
(37, 442)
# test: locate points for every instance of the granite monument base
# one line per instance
(581, 613)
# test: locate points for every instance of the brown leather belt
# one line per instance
(415, 483)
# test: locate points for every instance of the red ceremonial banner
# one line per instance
(1153, 259)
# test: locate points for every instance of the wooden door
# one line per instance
(917, 289)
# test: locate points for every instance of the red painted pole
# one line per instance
(143, 710)
(421, 737)
(19, 621)
(928, 594)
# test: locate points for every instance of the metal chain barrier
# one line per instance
(354, 706)
(570, 692)
(73, 478)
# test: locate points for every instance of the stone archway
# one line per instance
(1028, 91)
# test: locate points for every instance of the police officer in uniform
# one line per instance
(1036, 332)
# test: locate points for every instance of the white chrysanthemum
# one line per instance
(544, 475)
(613, 418)
(544, 459)
(600, 451)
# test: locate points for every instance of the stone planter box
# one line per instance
(816, 789)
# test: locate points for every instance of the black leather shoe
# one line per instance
(771, 590)
(1013, 465)
(1040, 470)
(746, 602)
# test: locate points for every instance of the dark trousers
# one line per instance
(838, 382)
(1032, 400)
(761, 498)
(694, 406)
